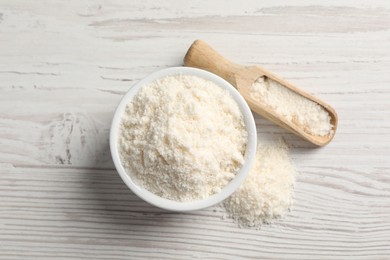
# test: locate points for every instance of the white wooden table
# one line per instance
(64, 65)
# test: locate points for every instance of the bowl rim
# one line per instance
(164, 203)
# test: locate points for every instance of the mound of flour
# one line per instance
(183, 138)
(267, 192)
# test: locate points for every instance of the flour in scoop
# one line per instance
(267, 192)
(293, 107)
(182, 138)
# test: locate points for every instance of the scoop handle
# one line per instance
(201, 55)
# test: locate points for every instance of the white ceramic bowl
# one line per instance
(192, 205)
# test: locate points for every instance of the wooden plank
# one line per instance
(79, 210)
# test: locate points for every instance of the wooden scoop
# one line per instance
(201, 55)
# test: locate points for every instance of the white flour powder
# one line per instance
(266, 193)
(295, 108)
(183, 138)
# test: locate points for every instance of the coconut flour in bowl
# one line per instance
(182, 137)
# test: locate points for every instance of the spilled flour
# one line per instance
(267, 192)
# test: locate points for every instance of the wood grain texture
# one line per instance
(64, 66)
